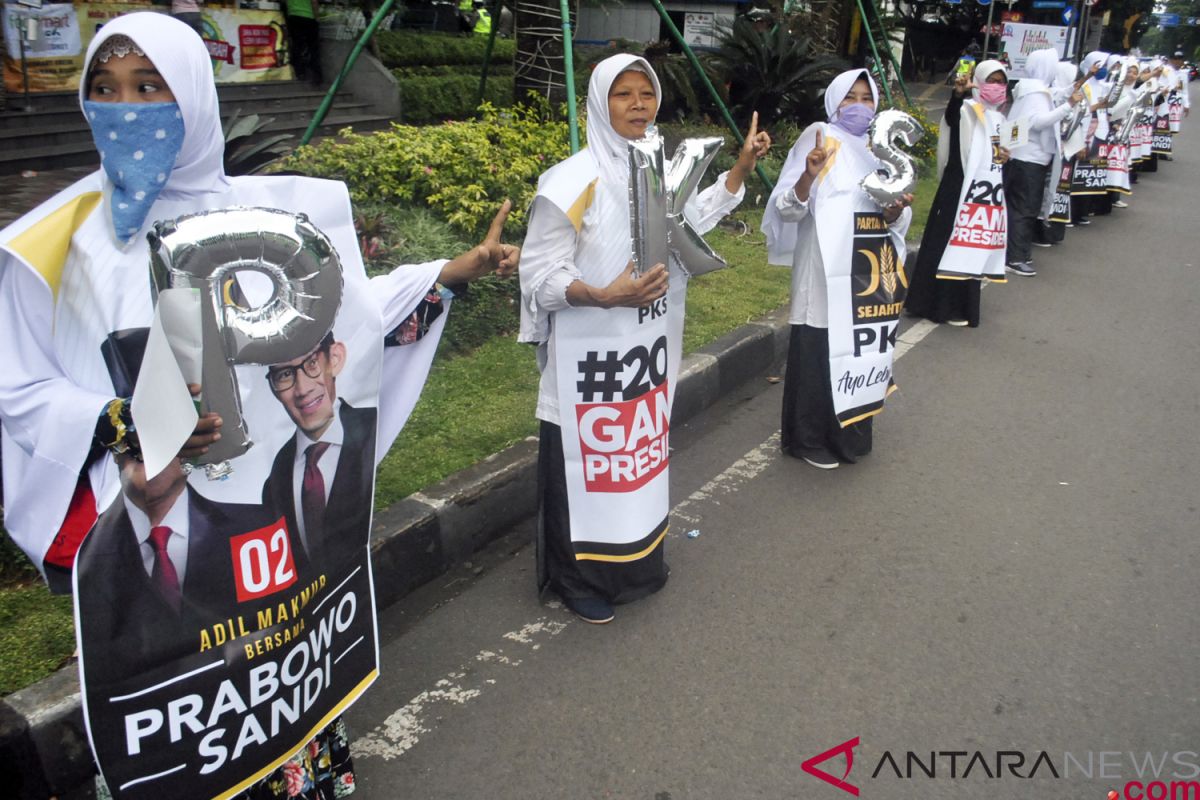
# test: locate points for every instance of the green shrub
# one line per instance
(472, 70)
(460, 170)
(15, 567)
(435, 98)
(783, 137)
(413, 235)
(777, 73)
(409, 48)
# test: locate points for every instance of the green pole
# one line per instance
(487, 53)
(887, 90)
(327, 101)
(569, 68)
(712, 90)
(888, 49)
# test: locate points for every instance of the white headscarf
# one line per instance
(1040, 69)
(182, 59)
(607, 147)
(840, 86)
(1090, 60)
(1064, 81)
(781, 236)
(983, 71)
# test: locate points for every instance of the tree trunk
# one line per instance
(539, 62)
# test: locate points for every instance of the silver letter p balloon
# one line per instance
(270, 284)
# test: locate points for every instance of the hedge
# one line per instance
(460, 170)
(434, 98)
(411, 49)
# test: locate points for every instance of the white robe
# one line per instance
(66, 283)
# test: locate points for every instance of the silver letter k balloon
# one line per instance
(657, 196)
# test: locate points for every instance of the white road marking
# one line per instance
(403, 728)
(750, 465)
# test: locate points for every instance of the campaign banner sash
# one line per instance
(867, 286)
(1090, 175)
(980, 234)
(614, 389)
(1161, 143)
(1175, 111)
(1118, 163)
(1060, 205)
(223, 623)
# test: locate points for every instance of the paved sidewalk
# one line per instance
(22, 194)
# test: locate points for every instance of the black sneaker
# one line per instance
(1036, 243)
(590, 609)
(821, 459)
(1026, 269)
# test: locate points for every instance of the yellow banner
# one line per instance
(245, 44)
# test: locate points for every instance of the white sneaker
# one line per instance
(957, 323)
(1120, 204)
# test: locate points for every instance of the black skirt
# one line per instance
(809, 425)
(558, 569)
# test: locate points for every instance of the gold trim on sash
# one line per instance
(625, 558)
(46, 243)
(353, 695)
(581, 205)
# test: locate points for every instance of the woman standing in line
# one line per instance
(580, 293)
(812, 218)
(968, 139)
(74, 282)
(1026, 171)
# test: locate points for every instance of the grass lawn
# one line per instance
(480, 403)
(473, 405)
(37, 634)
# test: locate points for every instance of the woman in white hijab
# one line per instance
(1124, 72)
(601, 527)
(1056, 202)
(75, 289)
(813, 223)
(945, 285)
(1026, 172)
(1089, 178)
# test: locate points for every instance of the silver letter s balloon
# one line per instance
(658, 194)
(897, 176)
(224, 254)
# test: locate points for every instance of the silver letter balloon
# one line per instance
(231, 256)
(897, 176)
(658, 193)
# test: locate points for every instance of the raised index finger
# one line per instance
(497, 226)
(753, 126)
(818, 145)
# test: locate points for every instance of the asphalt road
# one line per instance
(1013, 569)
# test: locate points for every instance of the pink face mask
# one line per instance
(994, 94)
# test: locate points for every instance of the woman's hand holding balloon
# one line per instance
(626, 291)
(893, 212)
(208, 430)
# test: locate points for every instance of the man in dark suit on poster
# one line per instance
(322, 478)
(155, 571)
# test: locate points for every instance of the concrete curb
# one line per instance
(42, 737)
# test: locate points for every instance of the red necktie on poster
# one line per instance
(312, 495)
(164, 575)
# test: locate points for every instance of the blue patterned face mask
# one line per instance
(138, 144)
